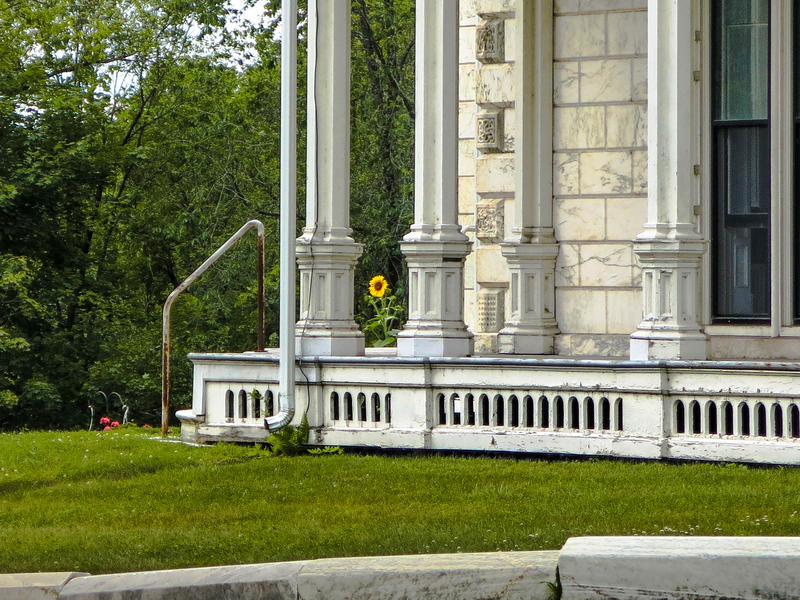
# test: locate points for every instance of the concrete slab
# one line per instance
(507, 575)
(33, 586)
(627, 568)
(275, 581)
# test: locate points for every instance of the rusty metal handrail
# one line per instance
(165, 332)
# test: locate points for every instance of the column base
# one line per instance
(330, 343)
(648, 345)
(519, 341)
(326, 326)
(415, 344)
(435, 326)
(531, 326)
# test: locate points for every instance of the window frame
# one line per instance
(781, 145)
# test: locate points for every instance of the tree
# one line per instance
(135, 137)
(382, 165)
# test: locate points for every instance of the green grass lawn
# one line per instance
(122, 501)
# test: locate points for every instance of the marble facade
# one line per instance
(599, 158)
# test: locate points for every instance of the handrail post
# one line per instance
(165, 326)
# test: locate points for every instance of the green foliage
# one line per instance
(555, 589)
(326, 450)
(290, 440)
(382, 138)
(8, 399)
(135, 137)
(80, 501)
(382, 328)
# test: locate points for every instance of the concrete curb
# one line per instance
(590, 568)
(673, 568)
(512, 575)
(33, 586)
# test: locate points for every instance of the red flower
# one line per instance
(146, 426)
(105, 421)
(106, 428)
(115, 423)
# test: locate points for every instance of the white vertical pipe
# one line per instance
(288, 288)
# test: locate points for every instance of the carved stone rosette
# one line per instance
(489, 220)
(490, 41)
(489, 130)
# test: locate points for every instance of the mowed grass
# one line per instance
(123, 501)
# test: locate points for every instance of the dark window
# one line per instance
(761, 420)
(728, 418)
(680, 418)
(242, 404)
(376, 406)
(741, 160)
(348, 406)
(229, 404)
(696, 417)
(544, 412)
(513, 418)
(334, 406)
(574, 417)
(796, 49)
(362, 406)
(744, 417)
(529, 411)
(559, 412)
(455, 407)
(605, 414)
(712, 418)
(470, 409)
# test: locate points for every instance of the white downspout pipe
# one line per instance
(288, 289)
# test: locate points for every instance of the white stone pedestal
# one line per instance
(326, 326)
(435, 325)
(531, 323)
(669, 329)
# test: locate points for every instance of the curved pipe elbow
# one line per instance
(279, 421)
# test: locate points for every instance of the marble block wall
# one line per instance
(486, 159)
(599, 167)
(599, 171)
(466, 149)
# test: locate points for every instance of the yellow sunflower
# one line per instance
(378, 286)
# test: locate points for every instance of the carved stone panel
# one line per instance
(489, 130)
(489, 220)
(490, 41)
(490, 310)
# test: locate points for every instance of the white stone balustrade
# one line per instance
(694, 410)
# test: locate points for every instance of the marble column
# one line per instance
(531, 249)
(435, 248)
(670, 248)
(326, 252)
